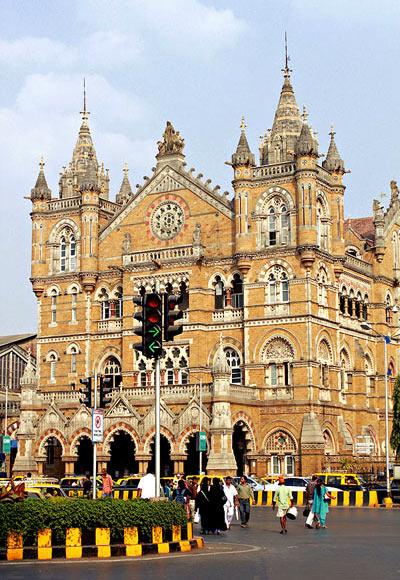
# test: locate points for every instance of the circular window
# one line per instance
(167, 220)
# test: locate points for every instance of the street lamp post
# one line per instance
(386, 340)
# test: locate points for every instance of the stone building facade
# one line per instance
(276, 286)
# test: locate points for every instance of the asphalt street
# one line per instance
(358, 544)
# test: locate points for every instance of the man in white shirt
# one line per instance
(147, 486)
(231, 501)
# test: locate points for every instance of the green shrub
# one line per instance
(32, 515)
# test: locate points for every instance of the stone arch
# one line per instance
(271, 443)
(211, 279)
(73, 345)
(227, 342)
(321, 196)
(148, 439)
(185, 435)
(54, 288)
(324, 351)
(111, 431)
(344, 355)
(49, 355)
(277, 348)
(41, 444)
(266, 197)
(74, 288)
(109, 351)
(329, 440)
(59, 226)
(286, 335)
(100, 292)
(263, 274)
(250, 428)
(76, 437)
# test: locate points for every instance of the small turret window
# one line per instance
(67, 251)
(233, 359)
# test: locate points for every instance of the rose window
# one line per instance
(167, 220)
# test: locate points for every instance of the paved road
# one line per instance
(358, 544)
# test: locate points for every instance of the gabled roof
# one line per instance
(170, 179)
(364, 227)
(15, 339)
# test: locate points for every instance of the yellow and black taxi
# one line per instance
(343, 481)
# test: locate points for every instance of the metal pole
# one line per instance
(201, 426)
(94, 443)
(157, 433)
(386, 419)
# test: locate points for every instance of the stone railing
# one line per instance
(167, 391)
(110, 325)
(13, 408)
(168, 255)
(68, 203)
(358, 265)
(108, 206)
(61, 396)
(227, 315)
(242, 392)
(274, 170)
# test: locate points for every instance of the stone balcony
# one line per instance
(169, 255)
(227, 315)
(280, 393)
(110, 325)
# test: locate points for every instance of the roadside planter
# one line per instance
(78, 528)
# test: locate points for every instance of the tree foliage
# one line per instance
(395, 435)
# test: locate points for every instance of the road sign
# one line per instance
(201, 441)
(364, 445)
(97, 426)
(6, 444)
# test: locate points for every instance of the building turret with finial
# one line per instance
(306, 144)
(243, 156)
(41, 190)
(333, 162)
(125, 191)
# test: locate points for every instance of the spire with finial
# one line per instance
(41, 189)
(125, 191)
(243, 155)
(306, 143)
(287, 121)
(333, 161)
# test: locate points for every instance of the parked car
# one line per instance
(343, 481)
(255, 485)
(296, 484)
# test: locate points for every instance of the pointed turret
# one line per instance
(41, 189)
(84, 168)
(333, 161)
(306, 143)
(125, 191)
(243, 155)
(287, 123)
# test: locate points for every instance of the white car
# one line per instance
(294, 484)
(255, 485)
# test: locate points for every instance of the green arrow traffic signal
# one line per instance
(154, 346)
(155, 331)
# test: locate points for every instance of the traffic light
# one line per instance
(105, 391)
(171, 315)
(138, 301)
(152, 325)
(86, 391)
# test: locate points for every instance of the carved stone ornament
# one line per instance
(278, 349)
(167, 220)
(127, 243)
(394, 189)
(172, 141)
(197, 235)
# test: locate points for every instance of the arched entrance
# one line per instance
(192, 463)
(53, 466)
(166, 465)
(122, 455)
(84, 463)
(240, 447)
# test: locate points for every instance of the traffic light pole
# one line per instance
(157, 426)
(94, 485)
(201, 425)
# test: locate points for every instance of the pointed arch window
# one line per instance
(74, 300)
(233, 359)
(112, 369)
(67, 251)
(53, 296)
(272, 227)
(219, 293)
(365, 307)
(278, 286)
(63, 254)
(237, 291)
(74, 352)
(72, 254)
(322, 224)
(53, 366)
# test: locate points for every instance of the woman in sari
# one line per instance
(320, 505)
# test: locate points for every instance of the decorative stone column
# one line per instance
(143, 461)
(221, 458)
(179, 463)
(69, 464)
(26, 434)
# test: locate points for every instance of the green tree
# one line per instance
(395, 436)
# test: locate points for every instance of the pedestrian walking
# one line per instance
(203, 505)
(168, 490)
(181, 495)
(107, 483)
(193, 486)
(320, 506)
(284, 498)
(217, 501)
(232, 501)
(245, 494)
(310, 487)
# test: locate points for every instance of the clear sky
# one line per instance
(201, 64)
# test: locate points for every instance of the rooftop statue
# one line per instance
(172, 141)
